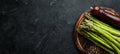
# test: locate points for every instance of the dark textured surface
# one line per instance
(42, 26)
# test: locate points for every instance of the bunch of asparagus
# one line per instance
(101, 34)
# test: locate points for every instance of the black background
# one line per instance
(42, 26)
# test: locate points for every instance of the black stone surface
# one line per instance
(42, 26)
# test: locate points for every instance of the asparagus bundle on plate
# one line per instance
(100, 33)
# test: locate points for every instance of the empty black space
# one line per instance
(42, 26)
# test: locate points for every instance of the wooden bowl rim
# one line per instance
(76, 37)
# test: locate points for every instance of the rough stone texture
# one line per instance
(42, 26)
